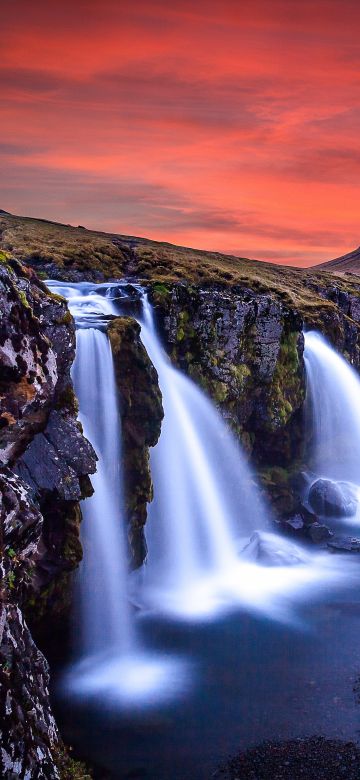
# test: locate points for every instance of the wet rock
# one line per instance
(141, 415)
(319, 533)
(57, 459)
(344, 544)
(52, 456)
(28, 364)
(29, 735)
(45, 466)
(295, 523)
(244, 348)
(271, 550)
(332, 499)
(28, 730)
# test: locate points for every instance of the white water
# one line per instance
(205, 511)
(333, 406)
(104, 575)
(334, 401)
(111, 661)
(209, 540)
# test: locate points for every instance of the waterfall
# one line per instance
(103, 580)
(111, 660)
(333, 409)
(210, 543)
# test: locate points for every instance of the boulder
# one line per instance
(332, 499)
(272, 550)
(319, 533)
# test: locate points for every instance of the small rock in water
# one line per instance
(319, 533)
(295, 522)
(344, 544)
(333, 499)
(271, 550)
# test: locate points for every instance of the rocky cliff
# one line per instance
(45, 463)
(233, 325)
(141, 413)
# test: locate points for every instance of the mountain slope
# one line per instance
(346, 263)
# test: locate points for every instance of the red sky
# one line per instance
(228, 125)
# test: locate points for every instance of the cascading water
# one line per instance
(208, 534)
(104, 572)
(334, 410)
(202, 485)
(206, 508)
(333, 398)
(110, 657)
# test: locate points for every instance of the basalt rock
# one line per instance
(332, 499)
(245, 349)
(45, 462)
(56, 465)
(28, 731)
(27, 727)
(29, 371)
(141, 413)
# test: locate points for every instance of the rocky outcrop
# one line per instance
(141, 414)
(333, 499)
(27, 727)
(28, 365)
(245, 349)
(45, 466)
(28, 733)
(340, 323)
(58, 460)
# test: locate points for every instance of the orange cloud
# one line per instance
(231, 126)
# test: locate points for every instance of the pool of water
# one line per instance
(238, 680)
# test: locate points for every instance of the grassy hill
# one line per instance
(344, 264)
(41, 244)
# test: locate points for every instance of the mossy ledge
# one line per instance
(141, 414)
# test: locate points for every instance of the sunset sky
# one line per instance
(229, 125)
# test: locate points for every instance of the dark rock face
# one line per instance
(28, 730)
(56, 465)
(28, 364)
(319, 533)
(45, 463)
(332, 499)
(340, 325)
(141, 414)
(245, 349)
(27, 727)
(344, 544)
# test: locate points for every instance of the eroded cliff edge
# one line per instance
(45, 467)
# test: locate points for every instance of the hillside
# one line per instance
(349, 263)
(55, 249)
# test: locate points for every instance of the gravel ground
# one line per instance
(315, 758)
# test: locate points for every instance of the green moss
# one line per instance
(66, 319)
(4, 258)
(287, 390)
(241, 373)
(160, 289)
(24, 300)
(69, 768)
(184, 330)
(56, 297)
